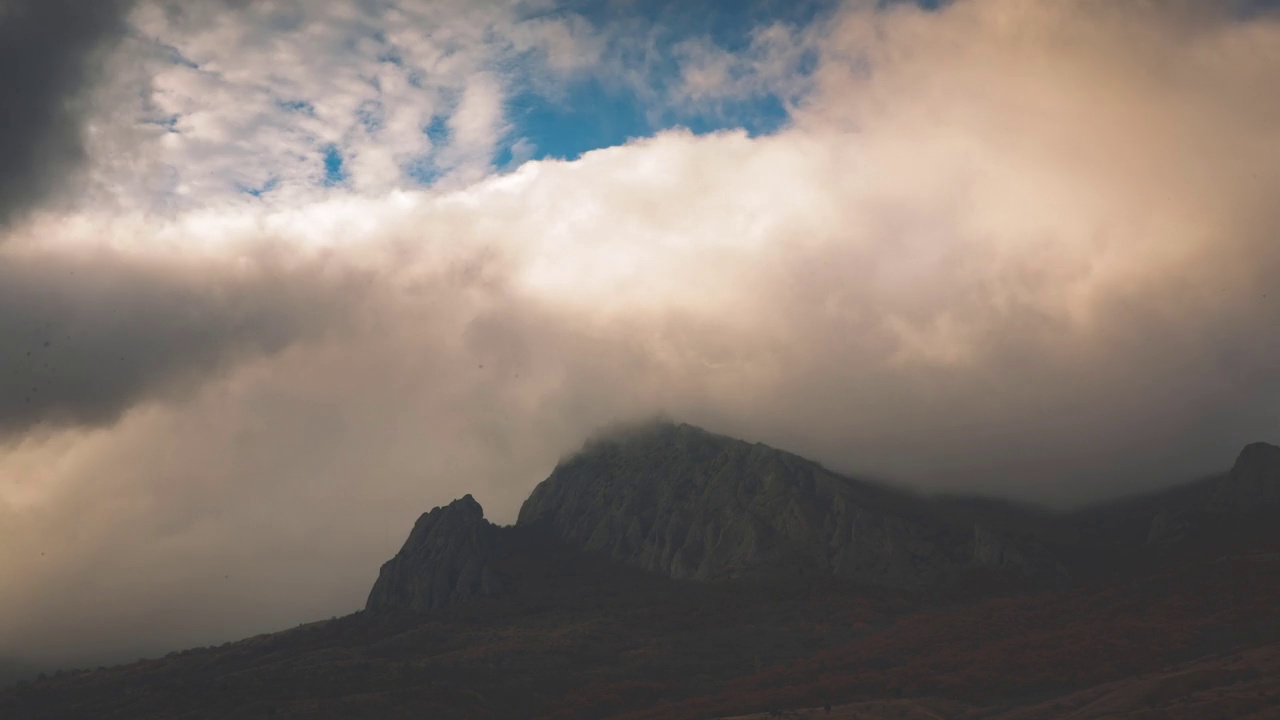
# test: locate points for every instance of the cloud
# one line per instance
(48, 52)
(1002, 246)
(90, 335)
(476, 126)
(406, 93)
(772, 64)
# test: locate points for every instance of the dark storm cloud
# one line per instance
(86, 337)
(48, 50)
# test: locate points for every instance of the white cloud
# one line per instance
(206, 105)
(771, 65)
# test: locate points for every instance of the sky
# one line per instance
(276, 277)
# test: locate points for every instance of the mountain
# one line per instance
(1253, 485)
(1241, 501)
(677, 501)
(669, 573)
(682, 502)
(449, 558)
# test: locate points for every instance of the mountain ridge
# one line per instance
(677, 501)
(564, 630)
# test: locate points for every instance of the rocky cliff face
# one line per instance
(449, 558)
(679, 501)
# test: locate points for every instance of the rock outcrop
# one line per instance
(999, 550)
(449, 558)
(1233, 502)
(682, 502)
(1170, 526)
(1253, 483)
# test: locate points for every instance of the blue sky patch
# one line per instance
(437, 131)
(168, 122)
(260, 190)
(334, 173)
(422, 170)
(599, 112)
(591, 116)
(598, 109)
(595, 116)
(729, 23)
(298, 106)
(177, 58)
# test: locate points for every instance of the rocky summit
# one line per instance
(1244, 497)
(1253, 483)
(450, 557)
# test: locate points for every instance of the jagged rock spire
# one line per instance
(448, 559)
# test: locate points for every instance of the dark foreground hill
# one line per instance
(668, 572)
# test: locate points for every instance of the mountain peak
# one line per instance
(648, 433)
(465, 506)
(448, 559)
(1258, 450)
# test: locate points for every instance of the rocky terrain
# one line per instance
(668, 572)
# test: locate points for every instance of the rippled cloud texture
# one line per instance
(304, 281)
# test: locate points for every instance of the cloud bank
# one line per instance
(1010, 247)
